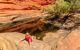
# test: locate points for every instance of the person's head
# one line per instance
(27, 33)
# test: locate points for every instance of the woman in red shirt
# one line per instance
(27, 38)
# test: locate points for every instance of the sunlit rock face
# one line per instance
(70, 42)
(23, 4)
(43, 2)
(12, 39)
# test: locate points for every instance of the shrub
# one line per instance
(60, 6)
(75, 5)
(63, 6)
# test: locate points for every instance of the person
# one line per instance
(27, 38)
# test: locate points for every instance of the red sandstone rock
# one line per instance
(43, 2)
(23, 4)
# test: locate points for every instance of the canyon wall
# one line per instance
(23, 4)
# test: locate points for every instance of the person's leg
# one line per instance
(29, 41)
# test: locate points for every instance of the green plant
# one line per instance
(74, 5)
(63, 6)
(60, 6)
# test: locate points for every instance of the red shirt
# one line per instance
(28, 38)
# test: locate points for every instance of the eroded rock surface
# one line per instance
(71, 42)
(23, 4)
(52, 38)
(64, 40)
(10, 41)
